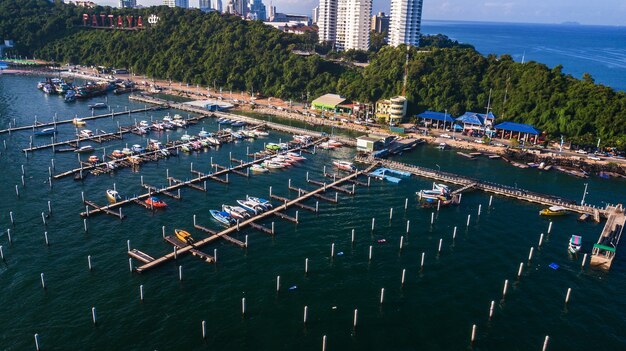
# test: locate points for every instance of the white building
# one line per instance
(316, 11)
(176, 3)
(345, 23)
(405, 22)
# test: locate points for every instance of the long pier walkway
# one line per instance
(190, 182)
(605, 249)
(499, 189)
(88, 118)
(249, 222)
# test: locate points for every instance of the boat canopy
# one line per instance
(576, 239)
(604, 247)
(556, 208)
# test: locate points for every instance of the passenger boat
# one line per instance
(553, 211)
(137, 148)
(85, 133)
(117, 154)
(266, 204)
(98, 106)
(78, 122)
(236, 211)
(113, 196)
(184, 236)
(46, 131)
(222, 217)
(84, 149)
(155, 202)
(258, 168)
(94, 159)
(251, 206)
(345, 165)
(575, 242)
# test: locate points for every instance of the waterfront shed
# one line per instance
(328, 102)
(436, 119)
(508, 130)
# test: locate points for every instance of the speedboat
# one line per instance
(575, 242)
(46, 131)
(272, 165)
(117, 154)
(265, 203)
(236, 211)
(84, 149)
(137, 148)
(325, 145)
(238, 124)
(98, 106)
(345, 165)
(259, 132)
(157, 126)
(94, 159)
(236, 135)
(248, 133)
(553, 211)
(185, 137)
(224, 121)
(142, 130)
(113, 196)
(70, 96)
(184, 236)
(444, 189)
(78, 122)
(185, 148)
(334, 143)
(85, 133)
(251, 206)
(258, 168)
(222, 217)
(272, 146)
(155, 202)
(144, 124)
(203, 134)
(295, 156)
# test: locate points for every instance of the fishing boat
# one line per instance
(46, 131)
(265, 203)
(258, 168)
(236, 211)
(155, 202)
(84, 149)
(575, 242)
(117, 154)
(184, 236)
(113, 196)
(98, 106)
(553, 211)
(85, 133)
(251, 206)
(78, 122)
(137, 148)
(222, 217)
(345, 165)
(94, 159)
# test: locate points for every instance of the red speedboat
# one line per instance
(155, 202)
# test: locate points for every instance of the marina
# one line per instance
(333, 243)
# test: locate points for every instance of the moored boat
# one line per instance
(113, 196)
(98, 106)
(260, 201)
(85, 133)
(258, 168)
(46, 131)
(222, 217)
(94, 159)
(236, 211)
(345, 165)
(575, 242)
(553, 211)
(84, 149)
(251, 206)
(78, 122)
(117, 154)
(184, 236)
(155, 202)
(137, 148)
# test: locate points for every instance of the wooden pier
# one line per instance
(503, 190)
(88, 118)
(191, 182)
(74, 143)
(605, 249)
(249, 222)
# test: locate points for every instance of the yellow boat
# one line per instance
(553, 211)
(113, 196)
(184, 236)
(78, 122)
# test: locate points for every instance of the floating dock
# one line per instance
(605, 249)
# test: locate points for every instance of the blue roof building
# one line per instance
(436, 119)
(507, 130)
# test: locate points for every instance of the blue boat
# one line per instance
(238, 124)
(222, 217)
(224, 121)
(262, 202)
(46, 131)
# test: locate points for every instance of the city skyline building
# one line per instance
(315, 14)
(405, 22)
(176, 3)
(380, 23)
(128, 3)
(256, 10)
(345, 23)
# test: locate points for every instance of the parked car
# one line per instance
(581, 151)
(447, 136)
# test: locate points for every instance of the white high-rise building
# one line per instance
(316, 11)
(405, 22)
(176, 3)
(345, 23)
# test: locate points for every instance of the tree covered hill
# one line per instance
(225, 51)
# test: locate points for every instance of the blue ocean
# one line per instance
(598, 50)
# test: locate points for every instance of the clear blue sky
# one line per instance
(602, 12)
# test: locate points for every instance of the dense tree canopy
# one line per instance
(225, 51)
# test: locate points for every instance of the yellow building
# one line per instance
(392, 110)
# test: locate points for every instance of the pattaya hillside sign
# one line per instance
(112, 21)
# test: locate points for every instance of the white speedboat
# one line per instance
(236, 211)
(345, 165)
(258, 168)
